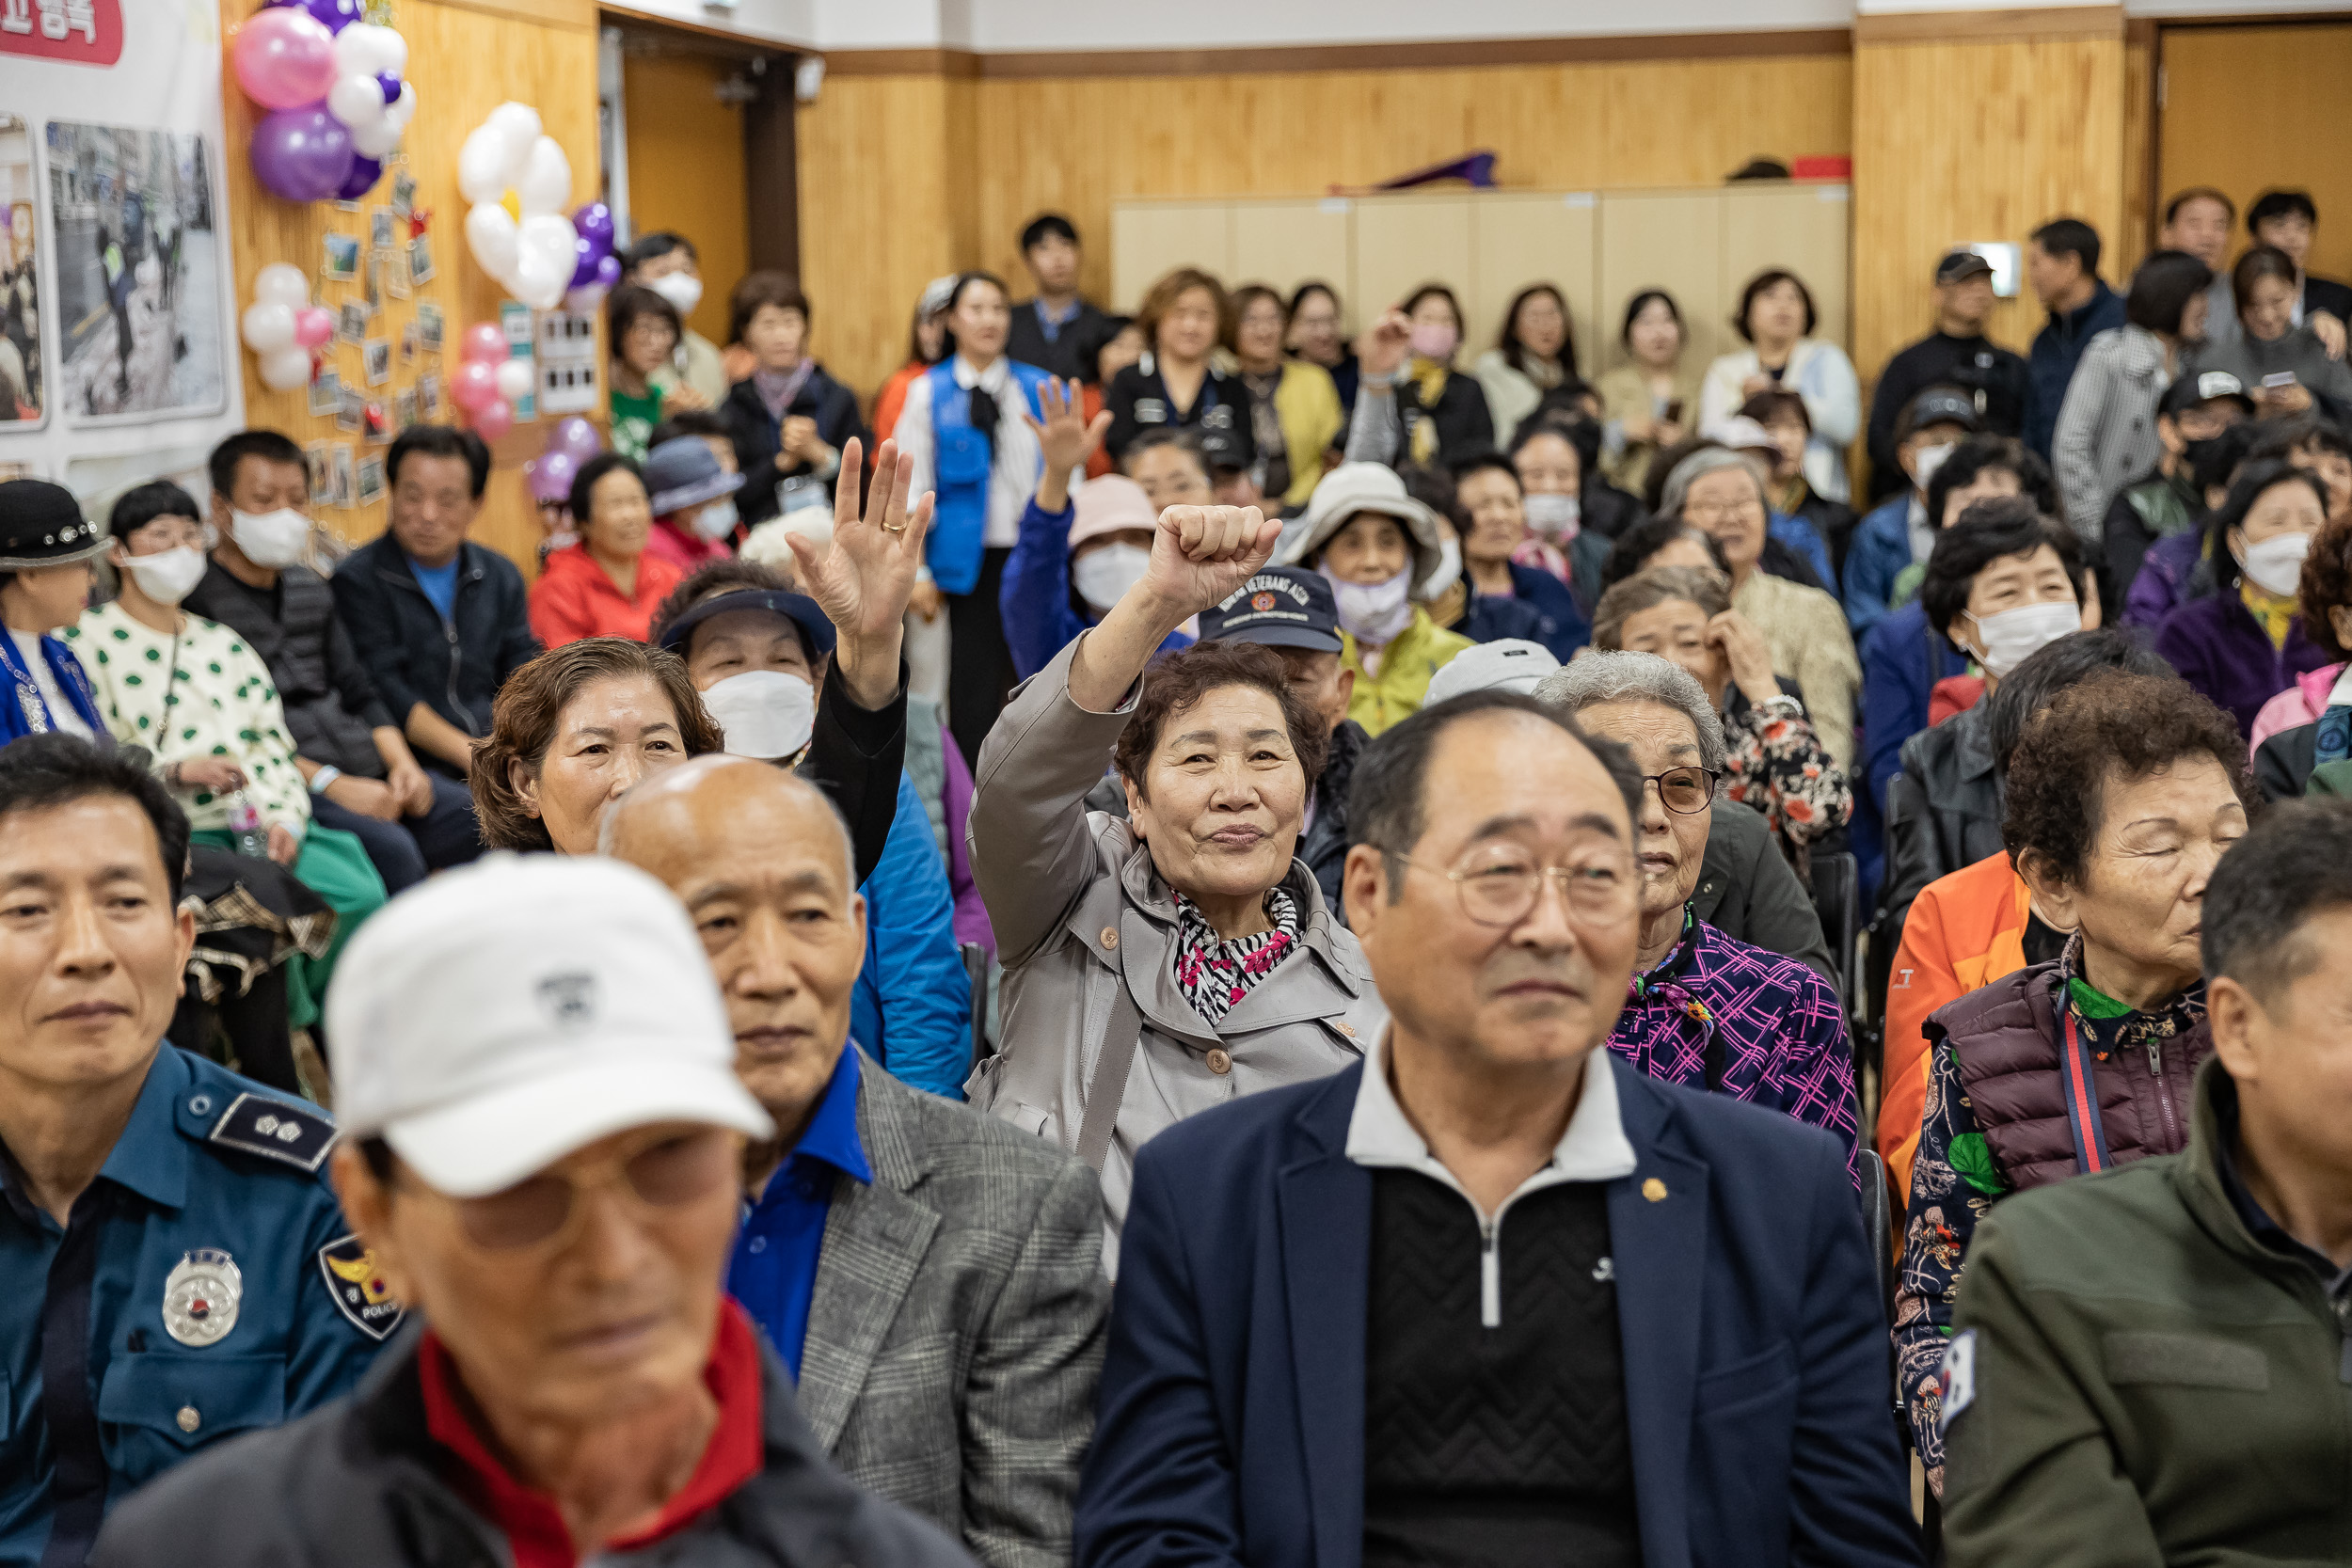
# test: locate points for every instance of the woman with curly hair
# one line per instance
(2311, 721)
(2123, 794)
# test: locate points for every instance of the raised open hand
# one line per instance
(1202, 554)
(862, 579)
(1066, 436)
(1384, 345)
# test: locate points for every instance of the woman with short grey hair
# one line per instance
(1703, 1009)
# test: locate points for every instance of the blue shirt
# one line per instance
(911, 1006)
(97, 1393)
(439, 584)
(1050, 324)
(773, 1272)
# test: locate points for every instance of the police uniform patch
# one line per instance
(259, 1124)
(1959, 1377)
(200, 1297)
(358, 1289)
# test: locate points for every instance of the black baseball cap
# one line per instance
(1283, 606)
(1959, 266)
(1939, 405)
(799, 609)
(2187, 391)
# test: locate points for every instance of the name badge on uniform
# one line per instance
(358, 1289)
(1958, 1378)
(200, 1297)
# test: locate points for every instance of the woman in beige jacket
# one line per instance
(1158, 966)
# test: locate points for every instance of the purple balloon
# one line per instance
(574, 439)
(302, 154)
(389, 83)
(365, 172)
(585, 268)
(550, 475)
(334, 15)
(608, 273)
(593, 223)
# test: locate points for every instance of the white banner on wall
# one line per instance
(119, 354)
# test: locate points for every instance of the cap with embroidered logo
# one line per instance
(494, 1019)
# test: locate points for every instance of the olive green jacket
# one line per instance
(2146, 1383)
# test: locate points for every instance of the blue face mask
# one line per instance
(716, 520)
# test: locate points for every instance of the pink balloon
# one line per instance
(481, 340)
(314, 327)
(494, 419)
(576, 438)
(473, 387)
(284, 58)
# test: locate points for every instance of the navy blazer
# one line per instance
(1757, 1386)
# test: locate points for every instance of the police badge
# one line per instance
(358, 1290)
(200, 1297)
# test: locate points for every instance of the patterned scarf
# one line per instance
(778, 388)
(2113, 1026)
(1214, 976)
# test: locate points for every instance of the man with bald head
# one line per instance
(931, 1275)
(1490, 1296)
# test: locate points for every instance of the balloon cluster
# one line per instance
(487, 382)
(517, 180)
(282, 327)
(598, 269)
(333, 86)
(570, 444)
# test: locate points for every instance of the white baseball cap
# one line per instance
(497, 1017)
(1510, 664)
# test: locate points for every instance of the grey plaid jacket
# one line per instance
(956, 1331)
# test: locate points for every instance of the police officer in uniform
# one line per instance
(174, 1268)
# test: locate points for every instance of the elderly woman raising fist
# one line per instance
(1157, 966)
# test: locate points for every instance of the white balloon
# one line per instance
(404, 108)
(494, 240)
(363, 49)
(355, 99)
(281, 283)
(284, 369)
(549, 254)
(515, 380)
(378, 138)
(518, 127)
(546, 185)
(269, 327)
(482, 166)
(392, 50)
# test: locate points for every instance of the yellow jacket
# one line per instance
(1396, 693)
(1306, 402)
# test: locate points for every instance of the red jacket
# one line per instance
(575, 598)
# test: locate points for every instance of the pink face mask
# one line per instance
(1435, 340)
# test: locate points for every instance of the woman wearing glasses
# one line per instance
(1704, 1010)
(1720, 492)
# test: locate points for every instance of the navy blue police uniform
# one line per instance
(205, 1286)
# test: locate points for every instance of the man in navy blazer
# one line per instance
(1490, 1297)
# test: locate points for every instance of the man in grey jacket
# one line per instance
(931, 1276)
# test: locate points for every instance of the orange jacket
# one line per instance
(575, 598)
(1963, 931)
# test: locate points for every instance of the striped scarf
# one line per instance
(1214, 976)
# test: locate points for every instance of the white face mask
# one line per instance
(2276, 564)
(763, 713)
(167, 575)
(1103, 576)
(680, 290)
(1556, 517)
(1374, 613)
(270, 539)
(2008, 639)
(716, 520)
(1449, 570)
(1925, 461)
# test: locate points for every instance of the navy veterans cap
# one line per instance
(799, 609)
(1283, 606)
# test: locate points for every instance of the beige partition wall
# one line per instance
(1599, 248)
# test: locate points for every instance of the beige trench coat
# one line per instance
(1080, 911)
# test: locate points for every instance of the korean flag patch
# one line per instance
(358, 1289)
(1958, 1378)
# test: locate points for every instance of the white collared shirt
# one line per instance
(1013, 476)
(1592, 1147)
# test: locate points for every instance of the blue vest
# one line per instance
(961, 461)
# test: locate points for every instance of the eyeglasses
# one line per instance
(1499, 886)
(1729, 512)
(1687, 790)
(673, 1171)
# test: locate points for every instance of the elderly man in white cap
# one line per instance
(541, 1131)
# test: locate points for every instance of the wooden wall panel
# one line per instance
(1670, 240)
(1962, 141)
(1178, 234)
(1076, 144)
(466, 61)
(2246, 108)
(1284, 244)
(1403, 242)
(1519, 240)
(2129, 243)
(690, 142)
